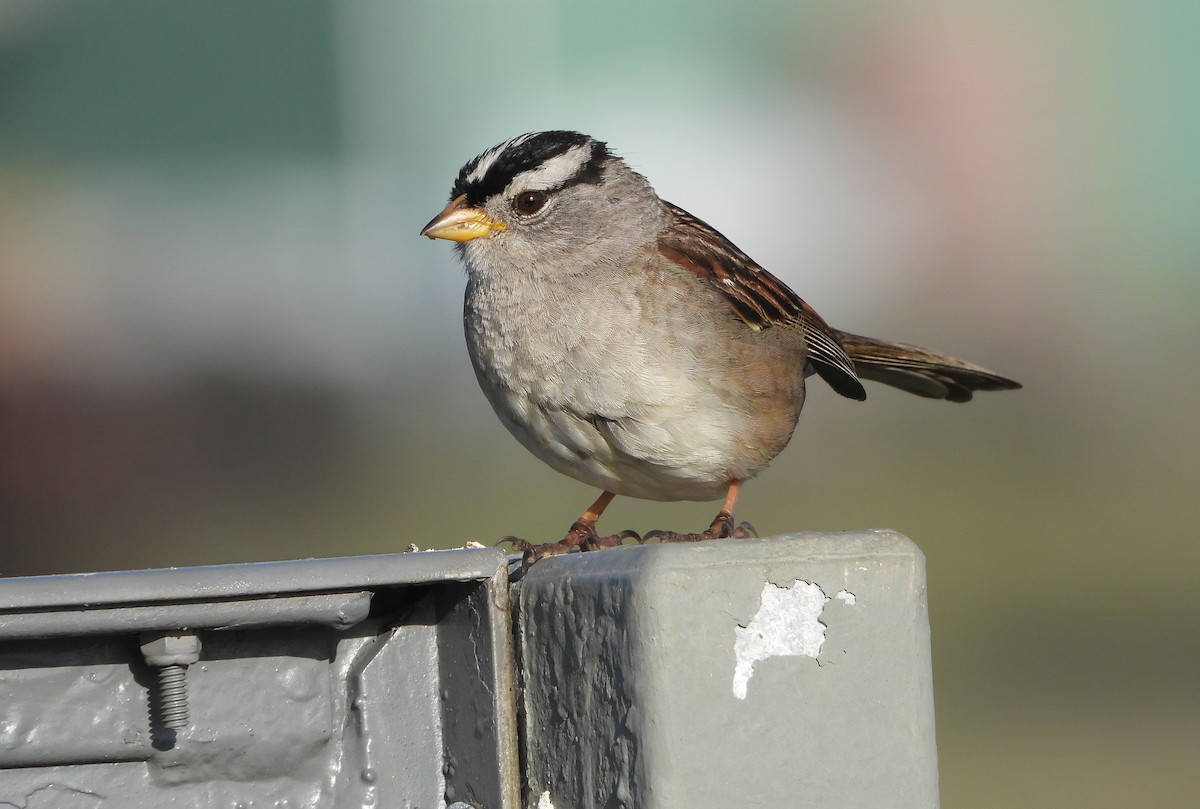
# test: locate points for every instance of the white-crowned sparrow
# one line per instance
(631, 346)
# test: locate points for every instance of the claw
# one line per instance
(597, 543)
(518, 545)
(722, 528)
(582, 535)
(534, 552)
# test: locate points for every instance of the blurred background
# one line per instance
(221, 338)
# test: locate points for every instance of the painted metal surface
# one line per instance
(357, 682)
(788, 671)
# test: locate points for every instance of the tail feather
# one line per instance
(918, 370)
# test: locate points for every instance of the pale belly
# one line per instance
(659, 419)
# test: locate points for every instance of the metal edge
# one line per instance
(249, 579)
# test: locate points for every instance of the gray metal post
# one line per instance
(382, 681)
(784, 672)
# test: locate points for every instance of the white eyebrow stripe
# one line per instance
(554, 172)
(489, 157)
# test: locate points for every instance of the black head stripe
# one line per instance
(491, 172)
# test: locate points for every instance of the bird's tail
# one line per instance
(917, 370)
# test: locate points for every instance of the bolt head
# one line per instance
(162, 649)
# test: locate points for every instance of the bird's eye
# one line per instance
(528, 203)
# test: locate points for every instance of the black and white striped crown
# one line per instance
(553, 160)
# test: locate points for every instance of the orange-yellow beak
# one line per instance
(459, 222)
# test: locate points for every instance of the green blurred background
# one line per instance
(221, 338)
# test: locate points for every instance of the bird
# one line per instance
(631, 346)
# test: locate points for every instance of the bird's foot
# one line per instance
(582, 535)
(722, 528)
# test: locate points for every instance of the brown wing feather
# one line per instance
(760, 299)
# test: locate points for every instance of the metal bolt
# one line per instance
(171, 654)
(172, 696)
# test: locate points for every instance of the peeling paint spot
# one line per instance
(846, 597)
(544, 801)
(786, 625)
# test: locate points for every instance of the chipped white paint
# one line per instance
(846, 597)
(544, 801)
(787, 624)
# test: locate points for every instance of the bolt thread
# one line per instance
(172, 695)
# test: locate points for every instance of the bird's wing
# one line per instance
(758, 298)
